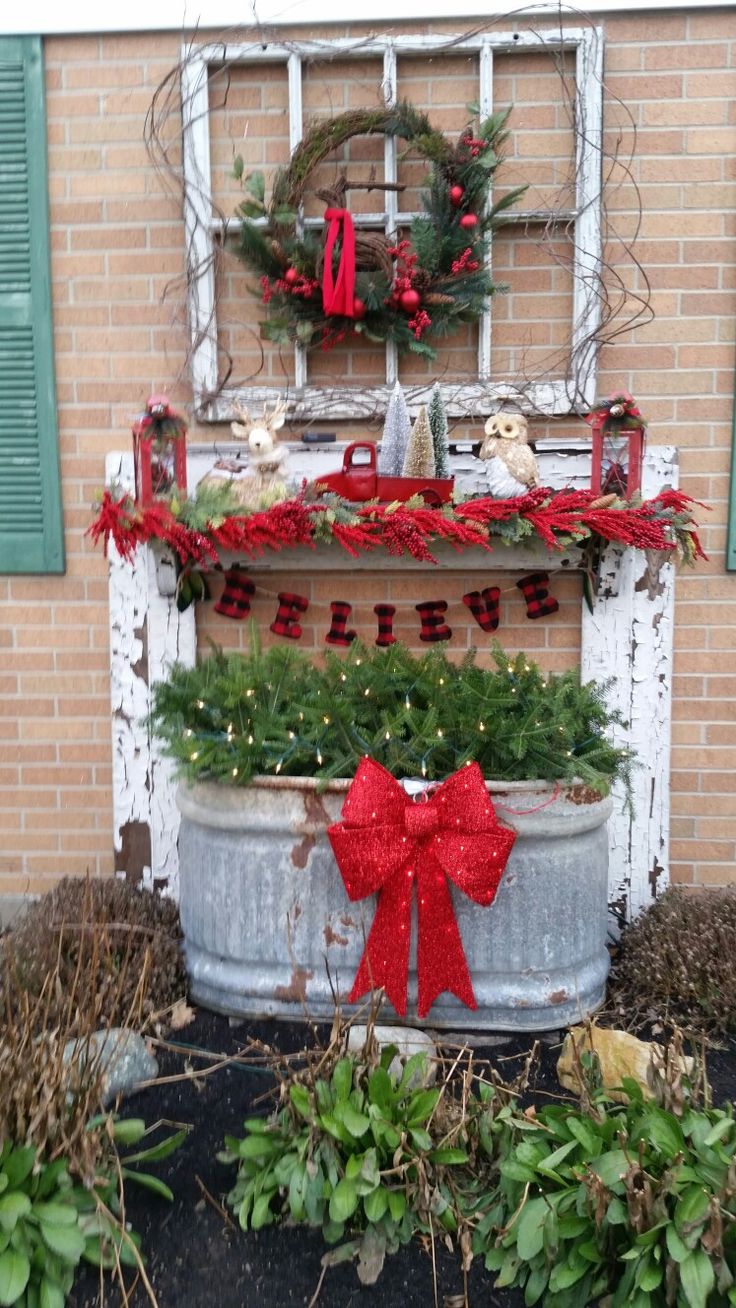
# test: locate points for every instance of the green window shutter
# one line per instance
(31, 530)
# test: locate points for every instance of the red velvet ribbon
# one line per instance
(386, 843)
(338, 294)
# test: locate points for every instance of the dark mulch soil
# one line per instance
(195, 1260)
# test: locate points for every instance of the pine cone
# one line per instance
(603, 502)
(436, 297)
(279, 254)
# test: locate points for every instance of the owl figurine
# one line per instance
(512, 468)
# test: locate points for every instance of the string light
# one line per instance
(388, 735)
(200, 703)
(235, 772)
(367, 691)
(278, 766)
(439, 732)
(292, 736)
(407, 703)
(424, 767)
(250, 740)
(188, 732)
(194, 756)
(481, 726)
(326, 720)
(319, 758)
(343, 677)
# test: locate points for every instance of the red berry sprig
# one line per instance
(466, 263)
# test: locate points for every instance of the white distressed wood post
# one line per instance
(147, 635)
(628, 638)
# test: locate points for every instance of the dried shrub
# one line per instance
(675, 962)
(116, 948)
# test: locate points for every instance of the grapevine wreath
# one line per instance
(405, 289)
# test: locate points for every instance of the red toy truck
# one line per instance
(360, 480)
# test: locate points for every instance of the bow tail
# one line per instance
(441, 961)
(385, 960)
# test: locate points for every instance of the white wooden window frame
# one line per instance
(548, 397)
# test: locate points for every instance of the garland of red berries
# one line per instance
(404, 289)
(558, 518)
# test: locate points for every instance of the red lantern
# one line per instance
(618, 447)
(159, 452)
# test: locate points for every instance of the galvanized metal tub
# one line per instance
(269, 929)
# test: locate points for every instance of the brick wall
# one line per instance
(117, 243)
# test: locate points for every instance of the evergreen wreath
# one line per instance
(406, 288)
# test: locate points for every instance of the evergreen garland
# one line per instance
(438, 427)
(272, 711)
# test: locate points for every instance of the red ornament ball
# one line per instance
(410, 301)
(358, 307)
(456, 196)
(469, 220)
(291, 276)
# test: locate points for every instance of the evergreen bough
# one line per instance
(272, 711)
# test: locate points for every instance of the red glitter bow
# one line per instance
(338, 295)
(385, 842)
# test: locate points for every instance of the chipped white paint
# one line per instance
(147, 635)
(628, 637)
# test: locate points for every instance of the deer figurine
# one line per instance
(264, 483)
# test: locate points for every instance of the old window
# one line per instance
(505, 360)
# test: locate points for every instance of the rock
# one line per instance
(408, 1041)
(124, 1057)
(620, 1055)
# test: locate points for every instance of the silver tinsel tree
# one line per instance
(396, 433)
(438, 427)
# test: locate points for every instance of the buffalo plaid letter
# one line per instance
(434, 626)
(535, 589)
(235, 599)
(337, 635)
(483, 605)
(286, 622)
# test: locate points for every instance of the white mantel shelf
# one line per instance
(626, 639)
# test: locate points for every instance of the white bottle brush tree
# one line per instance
(419, 461)
(396, 433)
(438, 427)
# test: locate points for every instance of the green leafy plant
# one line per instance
(49, 1222)
(632, 1202)
(361, 1151)
(675, 962)
(273, 711)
